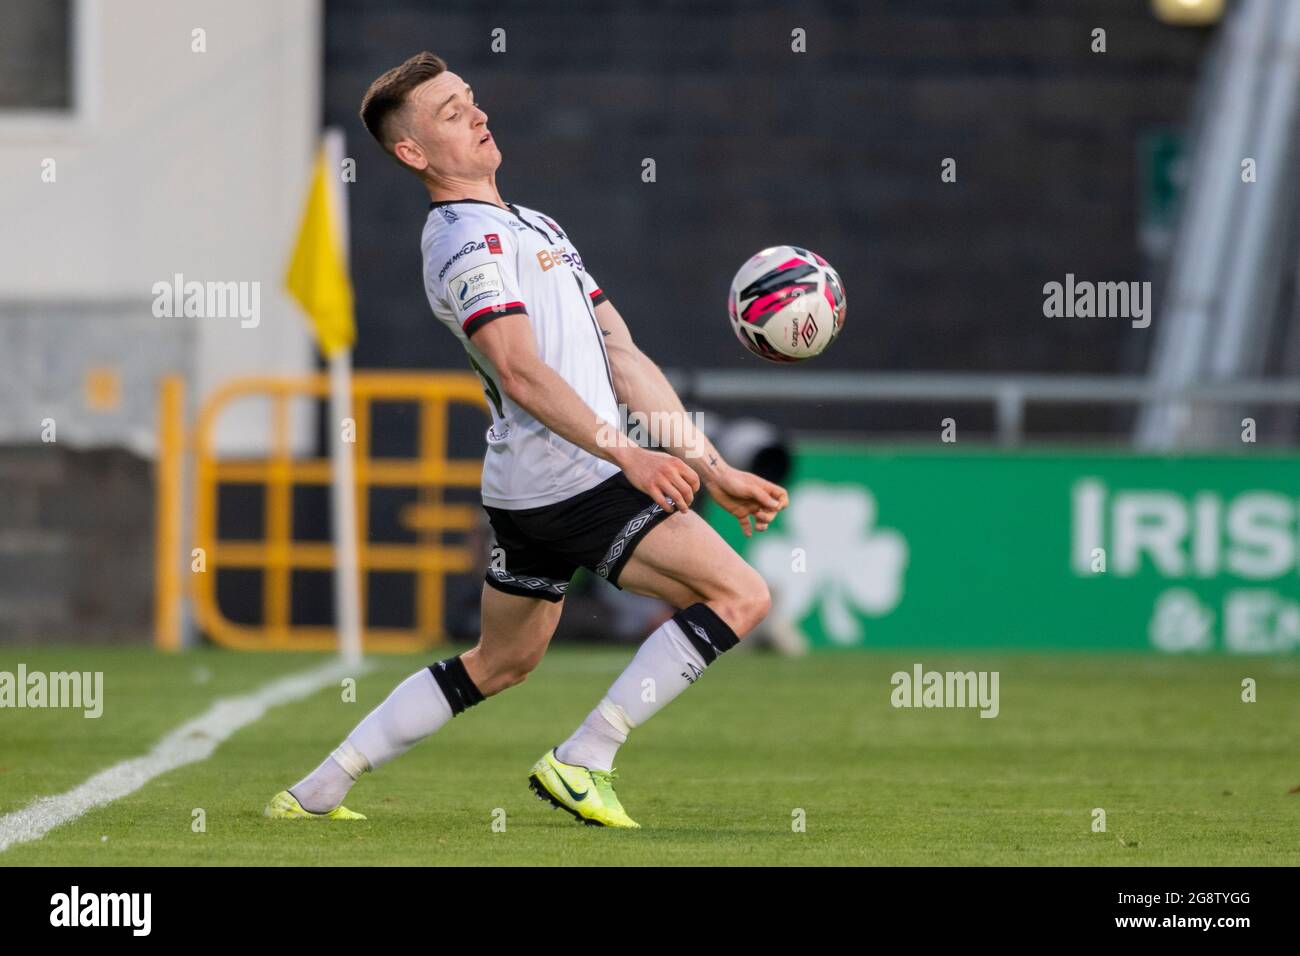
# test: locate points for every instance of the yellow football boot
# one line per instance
(587, 794)
(285, 806)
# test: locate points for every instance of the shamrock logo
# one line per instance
(848, 563)
(1181, 623)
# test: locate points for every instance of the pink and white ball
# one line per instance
(786, 304)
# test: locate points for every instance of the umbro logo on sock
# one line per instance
(703, 636)
(694, 674)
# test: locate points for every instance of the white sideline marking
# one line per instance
(189, 743)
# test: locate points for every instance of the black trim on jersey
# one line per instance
(478, 323)
(449, 202)
(473, 325)
(489, 387)
(550, 240)
(537, 229)
(600, 336)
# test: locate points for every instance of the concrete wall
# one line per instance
(175, 161)
(180, 162)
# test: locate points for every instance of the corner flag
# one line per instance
(318, 279)
(318, 271)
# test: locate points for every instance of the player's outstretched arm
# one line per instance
(510, 345)
(641, 385)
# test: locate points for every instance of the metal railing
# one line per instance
(1008, 394)
(275, 552)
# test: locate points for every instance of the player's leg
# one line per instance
(720, 598)
(685, 561)
(516, 630)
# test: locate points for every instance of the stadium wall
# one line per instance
(185, 151)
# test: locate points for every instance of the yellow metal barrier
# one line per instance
(277, 555)
(168, 478)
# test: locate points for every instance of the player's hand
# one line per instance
(668, 480)
(754, 501)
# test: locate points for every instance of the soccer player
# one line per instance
(563, 486)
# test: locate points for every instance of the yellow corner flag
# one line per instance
(318, 272)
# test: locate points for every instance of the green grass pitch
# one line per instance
(1186, 772)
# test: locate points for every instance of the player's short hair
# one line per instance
(386, 97)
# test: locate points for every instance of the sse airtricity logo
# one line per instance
(474, 285)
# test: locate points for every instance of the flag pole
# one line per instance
(347, 592)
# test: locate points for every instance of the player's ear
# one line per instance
(409, 153)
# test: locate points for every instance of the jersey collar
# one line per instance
(481, 202)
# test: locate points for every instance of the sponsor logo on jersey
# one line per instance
(554, 228)
(550, 258)
(493, 243)
(475, 285)
(464, 251)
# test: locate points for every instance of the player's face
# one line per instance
(447, 133)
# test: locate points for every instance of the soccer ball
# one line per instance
(786, 304)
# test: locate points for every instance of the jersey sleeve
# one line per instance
(592, 288)
(476, 278)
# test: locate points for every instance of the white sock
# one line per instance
(594, 743)
(325, 787)
(415, 709)
(664, 666)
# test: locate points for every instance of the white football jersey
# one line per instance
(482, 262)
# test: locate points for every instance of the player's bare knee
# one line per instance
(498, 678)
(757, 603)
(518, 667)
(512, 677)
(762, 601)
(493, 673)
(756, 600)
(744, 605)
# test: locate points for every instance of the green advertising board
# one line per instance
(1055, 550)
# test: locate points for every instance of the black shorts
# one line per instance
(596, 529)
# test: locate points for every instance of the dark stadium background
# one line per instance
(838, 149)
